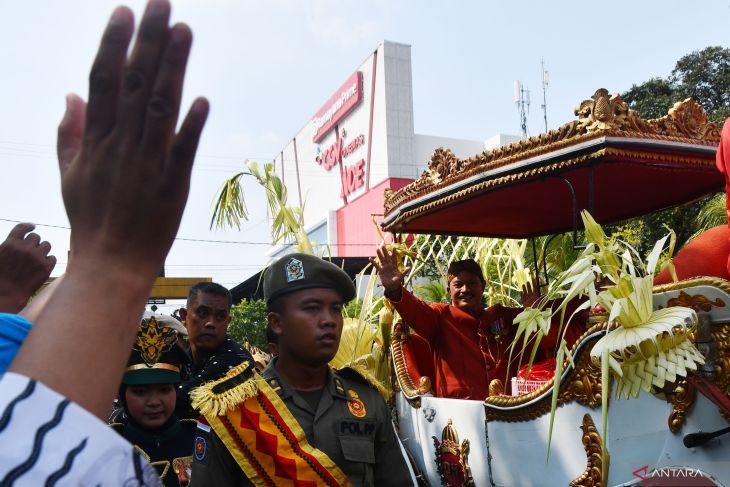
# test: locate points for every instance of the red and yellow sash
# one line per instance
(269, 445)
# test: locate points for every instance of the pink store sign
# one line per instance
(338, 106)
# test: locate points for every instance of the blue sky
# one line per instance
(267, 66)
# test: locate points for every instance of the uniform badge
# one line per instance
(355, 405)
(294, 270)
(200, 448)
(154, 339)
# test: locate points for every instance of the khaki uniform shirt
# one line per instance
(366, 449)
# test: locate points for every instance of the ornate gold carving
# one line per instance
(604, 111)
(697, 302)
(583, 385)
(593, 444)
(452, 459)
(400, 368)
(721, 337)
(601, 115)
(443, 163)
(682, 398)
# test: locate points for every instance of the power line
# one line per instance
(185, 239)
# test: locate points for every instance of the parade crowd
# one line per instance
(133, 398)
(186, 403)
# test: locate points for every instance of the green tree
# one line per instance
(653, 98)
(248, 320)
(705, 76)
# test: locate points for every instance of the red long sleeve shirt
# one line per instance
(468, 352)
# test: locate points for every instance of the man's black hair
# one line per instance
(467, 265)
(271, 337)
(276, 305)
(209, 288)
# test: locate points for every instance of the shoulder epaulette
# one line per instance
(189, 423)
(218, 396)
(360, 373)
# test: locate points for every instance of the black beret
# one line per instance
(298, 271)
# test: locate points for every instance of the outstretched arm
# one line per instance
(125, 176)
(24, 267)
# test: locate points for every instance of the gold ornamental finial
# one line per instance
(450, 433)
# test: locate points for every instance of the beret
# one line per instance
(298, 271)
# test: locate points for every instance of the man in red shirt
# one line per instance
(470, 344)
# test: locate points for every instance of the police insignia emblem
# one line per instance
(200, 448)
(452, 459)
(355, 405)
(153, 339)
(294, 270)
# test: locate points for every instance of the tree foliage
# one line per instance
(703, 75)
(248, 320)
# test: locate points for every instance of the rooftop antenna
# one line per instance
(545, 81)
(522, 100)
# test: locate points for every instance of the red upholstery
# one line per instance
(418, 357)
(706, 255)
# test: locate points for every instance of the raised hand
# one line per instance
(125, 176)
(125, 173)
(24, 267)
(387, 266)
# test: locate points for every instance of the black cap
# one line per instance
(467, 265)
(156, 357)
(298, 271)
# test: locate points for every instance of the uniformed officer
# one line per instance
(147, 396)
(300, 420)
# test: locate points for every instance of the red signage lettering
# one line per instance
(338, 106)
(334, 154)
(352, 178)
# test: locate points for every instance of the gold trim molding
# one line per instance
(717, 282)
(593, 443)
(411, 391)
(602, 115)
(582, 384)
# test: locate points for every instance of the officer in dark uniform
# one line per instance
(333, 423)
(212, 352)
(147, 396)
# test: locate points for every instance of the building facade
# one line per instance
(359, 143)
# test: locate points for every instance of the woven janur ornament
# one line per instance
(648, 348)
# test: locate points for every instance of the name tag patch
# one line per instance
(358, 428)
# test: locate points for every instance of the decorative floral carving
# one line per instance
(452, 459)
(603, 111)
(697, 302)
(600, 115)
(443, 163)
(721, 337)
(593, 444)
(682, 398)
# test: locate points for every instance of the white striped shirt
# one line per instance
(46, 440)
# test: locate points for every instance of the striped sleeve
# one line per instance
(49, 441)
